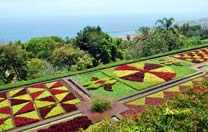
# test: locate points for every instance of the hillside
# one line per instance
(130, 87)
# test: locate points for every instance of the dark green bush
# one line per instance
(101, 105)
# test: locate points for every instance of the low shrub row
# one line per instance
(70, 126)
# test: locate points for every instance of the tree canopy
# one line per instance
(99, 44)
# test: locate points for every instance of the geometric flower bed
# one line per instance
(196, 56)
(125, 80)
(142, 75)
(69, 126)
(98, 84)
(136, 107)
(37, 102)
(139, 73)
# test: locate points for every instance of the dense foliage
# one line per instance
(99, 44)
(185, 113)
(92, 47)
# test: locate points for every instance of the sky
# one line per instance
(41, 8)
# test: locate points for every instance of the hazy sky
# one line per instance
(32, 8)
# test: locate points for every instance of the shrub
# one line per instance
(69, 126)
(101, 105)
(205, 83)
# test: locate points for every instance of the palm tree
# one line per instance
(166, 23)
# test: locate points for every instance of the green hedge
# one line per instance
(205, 41)
(48, 78)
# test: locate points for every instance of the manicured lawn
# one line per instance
(99, 85)
(24, 106)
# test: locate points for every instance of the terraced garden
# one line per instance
(127, 85)
(128, 79)
(137, 106)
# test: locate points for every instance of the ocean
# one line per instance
(23, 28)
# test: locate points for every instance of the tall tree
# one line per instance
(99, 44)
(42, 47)
(12, 63)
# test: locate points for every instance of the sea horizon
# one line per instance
(25, 27)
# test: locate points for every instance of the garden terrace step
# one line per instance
(58, 77)
(46, 125)
(161, 87)
(155, 99)
(76, 84)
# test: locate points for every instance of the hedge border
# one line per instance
(48, 78)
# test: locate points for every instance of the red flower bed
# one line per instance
(5, 110)
(38, 85)
(167, 76)
(205, 51)
(151, 66)
(153, 101)
(138, 77)
(27, 108)
(21, 121)
(57, 91)
(49, 99)
(44, 111)
(200, 90)
(35, 95)
(57, 84)
(126, 67)
(22, 92)
(196, 61)
(69, 126)
(69, 107)
(169, 95)
(3, 94)
(17, 101)
(140, 74)
(133, 111)
(70, 96)
(1, 121)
